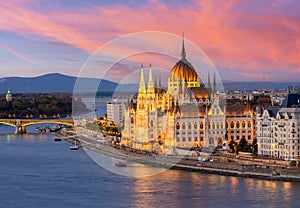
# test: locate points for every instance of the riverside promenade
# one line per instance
(240, 168)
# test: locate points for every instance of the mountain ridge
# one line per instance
(56, 82)
(53, 82)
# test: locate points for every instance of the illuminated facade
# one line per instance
(187, 114)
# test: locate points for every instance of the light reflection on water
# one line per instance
(44, 173)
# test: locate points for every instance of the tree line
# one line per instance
(34, 106)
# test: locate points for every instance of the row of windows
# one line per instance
(189, 126)
(213, 125)
(238, 125)
(189, 139)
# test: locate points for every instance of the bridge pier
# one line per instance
(20, 129)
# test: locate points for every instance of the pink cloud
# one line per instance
(233, 37)
(19, 55)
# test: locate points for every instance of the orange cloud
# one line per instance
(252, 39)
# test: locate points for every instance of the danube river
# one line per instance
(35, 171)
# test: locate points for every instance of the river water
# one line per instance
(35, 171)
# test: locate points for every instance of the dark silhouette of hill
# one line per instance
(54, 82)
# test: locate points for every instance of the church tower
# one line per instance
(8, 96)
(214, 88)
(141, 122)
(151, 97)
(142, 92)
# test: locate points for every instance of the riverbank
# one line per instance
(238, 167)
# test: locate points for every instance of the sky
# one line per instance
(254, 40)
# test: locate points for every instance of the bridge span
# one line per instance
(21, 124)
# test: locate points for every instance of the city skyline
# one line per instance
(246, 41)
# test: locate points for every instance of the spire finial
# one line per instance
(183, 54)
(150, 81)
(214, 85)
(142, 86)
(208, 81)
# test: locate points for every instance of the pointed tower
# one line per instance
(141, 121)
(142, 86)
(248, 108)
(150, 79)
(159, 85)
(142, 92)
(183, 53)
(208, 85)
(214, 90)
(151, 102)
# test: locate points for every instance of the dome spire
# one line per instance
(183, 53)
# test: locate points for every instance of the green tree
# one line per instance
(253, 146)
(243, 145)
(232, 145)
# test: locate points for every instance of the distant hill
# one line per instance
(51, 83)
(56, 82)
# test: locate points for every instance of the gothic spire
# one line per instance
(183, 53)
(215, 85)
(150, 81)
(208, 81)
(142, 80)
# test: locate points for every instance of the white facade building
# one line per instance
(278, 130)
(115, 111)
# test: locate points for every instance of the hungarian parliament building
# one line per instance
(188, 113)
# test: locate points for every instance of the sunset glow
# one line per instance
(247, 41)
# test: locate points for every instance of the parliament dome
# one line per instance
(184, 71)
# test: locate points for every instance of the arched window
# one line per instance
(218, 126)
(243, 124)
(227, 125)
(201, 125)
(222, 125)
(209, 125)
(151, 123)
(190, 125)
(249, 124)
(232, 125)
(177, 126)
(183, 125)
(195, 125)
(213, 125)
(238, 124)
(132, 120)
